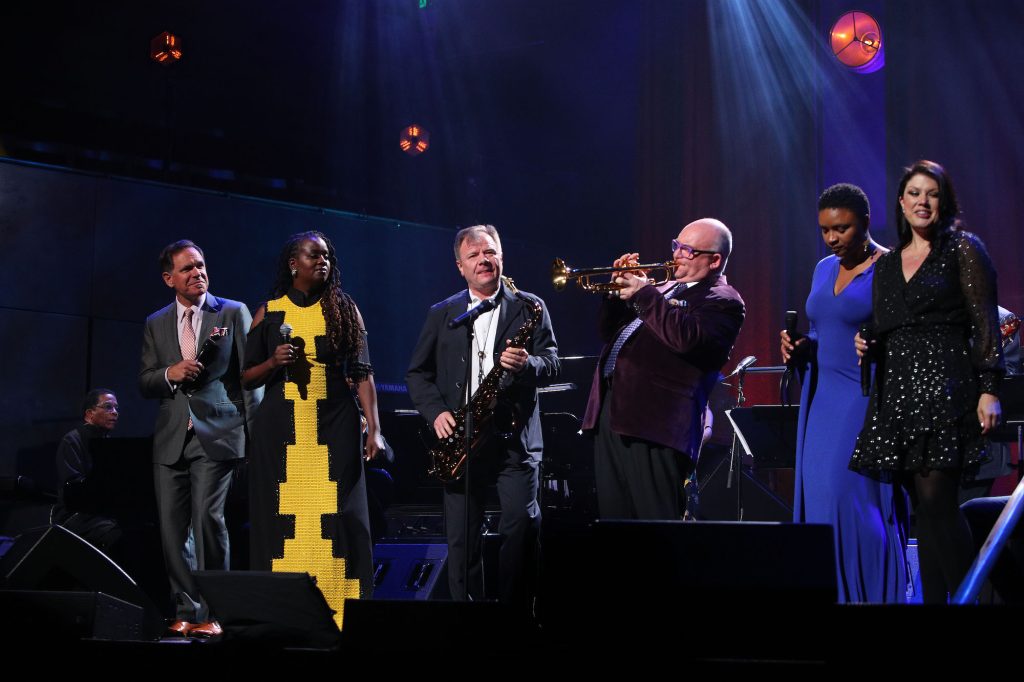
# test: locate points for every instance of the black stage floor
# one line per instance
(426, 637)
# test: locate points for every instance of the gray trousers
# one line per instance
(190, 497)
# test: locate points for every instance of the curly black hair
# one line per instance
(850, 197)
(344, 333)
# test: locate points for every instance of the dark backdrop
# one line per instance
(582, 129)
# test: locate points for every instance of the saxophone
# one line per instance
(448, 455)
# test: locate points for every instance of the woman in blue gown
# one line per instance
(867, 515)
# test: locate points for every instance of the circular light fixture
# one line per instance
(414, 140)
(165, 48)
(856, 40)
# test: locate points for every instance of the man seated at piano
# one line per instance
(74, 463)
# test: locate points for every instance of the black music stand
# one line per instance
(766, 434)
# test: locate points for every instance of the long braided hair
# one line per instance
(344, 339)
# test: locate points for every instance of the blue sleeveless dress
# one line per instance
(865, 513)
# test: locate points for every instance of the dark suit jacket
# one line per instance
(219, 405)
(666, 370)
(437, 371)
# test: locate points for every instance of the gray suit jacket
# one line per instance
(216, 401)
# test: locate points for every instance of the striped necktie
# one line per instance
(188, 347)
(628, 331)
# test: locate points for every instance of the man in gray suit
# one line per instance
(192, 352)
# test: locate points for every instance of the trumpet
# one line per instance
(561, 273)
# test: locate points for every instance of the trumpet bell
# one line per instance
(559, 274)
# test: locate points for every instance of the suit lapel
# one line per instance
(697, 290)
(170, 329)
(508, 314)
(212, 310)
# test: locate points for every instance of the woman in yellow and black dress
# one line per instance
(307, 485)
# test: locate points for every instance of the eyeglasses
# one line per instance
(689, 253)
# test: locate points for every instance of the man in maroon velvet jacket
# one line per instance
(664, 347)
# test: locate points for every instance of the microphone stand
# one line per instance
(469, 320)
(468, 436)
(736, 461)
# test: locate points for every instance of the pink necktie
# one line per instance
(188, 346)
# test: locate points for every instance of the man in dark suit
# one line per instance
(74, 464)
(200, 428)
(437, 386)
(664, 348)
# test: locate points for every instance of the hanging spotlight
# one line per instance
(414, 140)
(856, 40)
(165, 48)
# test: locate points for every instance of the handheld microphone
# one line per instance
(868, 334)
(790, 326)
(286, 336)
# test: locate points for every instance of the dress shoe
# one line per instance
(179, 628)
(205, 630)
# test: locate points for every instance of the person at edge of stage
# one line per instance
(436, 380)
(664, 349)
(200, 429)
(74, 464)
(868, 516)
(308, 348)
(935, 394)
(1000, 459)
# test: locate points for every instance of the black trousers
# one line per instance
(637, 479)
(190, 496)
(517, 481)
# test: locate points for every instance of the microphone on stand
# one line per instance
(742, 365)
(476, 311)
(286, 336)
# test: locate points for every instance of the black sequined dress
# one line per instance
(939, 338)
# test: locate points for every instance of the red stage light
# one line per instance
(856, 40)
(165, 48)
(414, 140)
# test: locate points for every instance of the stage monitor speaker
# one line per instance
(53, 558)
(54, 616)
(284, 609)
(653, 573)
(449, 629)
(723, 561)
(410, 571)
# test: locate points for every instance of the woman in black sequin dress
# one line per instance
(940, 362)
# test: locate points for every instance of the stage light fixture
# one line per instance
(165, 48)
(414, 140)
(856, 40)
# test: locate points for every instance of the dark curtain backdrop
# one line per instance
(705, 149)
(955, 96)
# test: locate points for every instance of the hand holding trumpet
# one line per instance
(629, 280)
